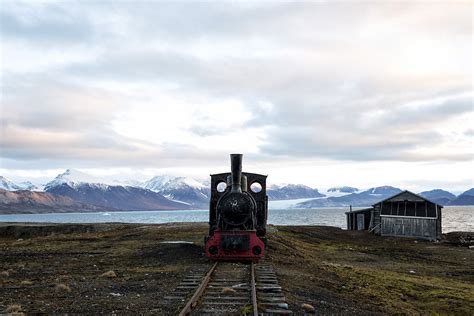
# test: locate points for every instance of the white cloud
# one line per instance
(161, 85)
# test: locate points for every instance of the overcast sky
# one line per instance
(320, 93)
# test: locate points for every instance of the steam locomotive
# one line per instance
(237, 214)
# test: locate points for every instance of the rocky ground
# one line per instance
(125, 268)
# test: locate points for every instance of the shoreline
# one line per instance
(454, 218)
(201, 209)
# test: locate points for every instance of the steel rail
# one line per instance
(254, 291)
(198, 293)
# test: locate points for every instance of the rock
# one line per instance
(61, 287)
(14, 309)
(26, 282)
(228, 290)
(308, 308)
(109, 274)
(412, 272)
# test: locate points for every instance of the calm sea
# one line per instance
(455, 218)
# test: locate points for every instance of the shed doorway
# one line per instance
(360, 221)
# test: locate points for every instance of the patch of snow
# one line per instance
(334, 194)
(157, 182)
(193, 183)
(340, 191)
(168, 182)
(182, 202)
(275, 186)
(27, 185)
(131, 183)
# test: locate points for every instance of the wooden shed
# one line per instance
(405, 214)
(359, 219)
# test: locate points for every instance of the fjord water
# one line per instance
(455, 218)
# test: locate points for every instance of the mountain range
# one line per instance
(114, 197)
(73, 190)
(8, 185)
(24, 201)
(292, 191)
(365, 198)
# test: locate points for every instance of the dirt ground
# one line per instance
(128, 268)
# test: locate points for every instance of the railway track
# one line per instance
(230, 289)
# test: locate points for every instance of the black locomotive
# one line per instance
(237, 214)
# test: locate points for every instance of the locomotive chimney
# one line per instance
(236, 169)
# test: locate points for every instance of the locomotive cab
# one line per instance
(237, 215)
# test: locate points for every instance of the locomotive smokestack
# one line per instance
(236, 169)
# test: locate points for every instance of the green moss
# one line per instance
(246, 310)
(405, 293)
(374, 274)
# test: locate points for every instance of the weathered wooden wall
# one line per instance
(409, 227)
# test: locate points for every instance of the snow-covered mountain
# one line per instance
(172, 182)
(74, 178)
(342, 190)
(7, 184)
(84, 188)
(183, 189)
(28, 185)
(365, 198)
(382, 190)
(292, 191)
(116, 197)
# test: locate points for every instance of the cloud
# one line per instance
(43, 23)
(150, 84)
(400, 132)
(48, 122)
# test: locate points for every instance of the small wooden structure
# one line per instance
(405, 214)
(359, 219)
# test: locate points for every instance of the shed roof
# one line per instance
(361, 210)
(409, 192)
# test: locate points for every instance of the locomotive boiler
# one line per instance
(237, 214)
